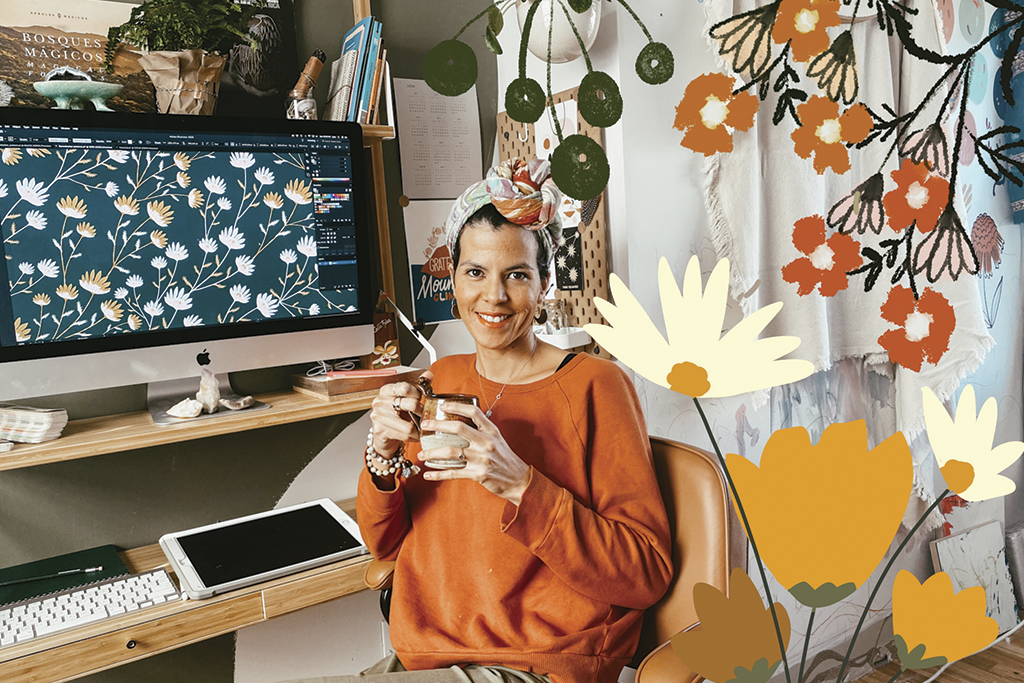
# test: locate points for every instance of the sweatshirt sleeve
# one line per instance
(620, 545)
(383, 516)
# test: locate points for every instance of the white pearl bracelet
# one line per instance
(396, 464)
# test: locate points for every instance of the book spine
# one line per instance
(378, 75)
(364, 35)
(366, 86)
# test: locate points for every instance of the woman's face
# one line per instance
(497, 285)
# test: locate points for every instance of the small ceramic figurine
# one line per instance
(71, 88)
(209, 391)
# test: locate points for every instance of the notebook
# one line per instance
(103, 556)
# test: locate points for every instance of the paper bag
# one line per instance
(186, 81)
(385, 343)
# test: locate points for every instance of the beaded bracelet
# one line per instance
(396, 464)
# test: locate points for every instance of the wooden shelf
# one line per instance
(103, 645)
(129, 431)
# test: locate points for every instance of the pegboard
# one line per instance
(517, 139)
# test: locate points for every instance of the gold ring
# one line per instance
(397, 403)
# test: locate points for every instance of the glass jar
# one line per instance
(557, 319)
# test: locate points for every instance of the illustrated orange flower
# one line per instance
(827, 261)
(825, 134)
(925, 326)
(736, 632)
(709, 109)
(802, 23)
(920, 195)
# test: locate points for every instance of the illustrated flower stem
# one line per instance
(959, 133)
(892, 560)
(807, 640)
(895, 676)
(551, 97)
(766, 74)
(639, 23)
(527, 27)
(750, 537)
(579, 39)
(909, 263)
(472, 21)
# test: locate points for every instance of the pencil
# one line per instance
(66, 572)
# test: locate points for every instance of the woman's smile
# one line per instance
(494, 321)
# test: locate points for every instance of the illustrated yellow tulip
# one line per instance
(697, 360)
(933, 625)
(963, 446)
(801, 503)
(737, 637)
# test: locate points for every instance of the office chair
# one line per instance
(707, 542)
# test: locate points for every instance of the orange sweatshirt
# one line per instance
(556, 585)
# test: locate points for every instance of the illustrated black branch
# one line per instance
(999, 163)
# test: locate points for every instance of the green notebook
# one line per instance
(104, 556)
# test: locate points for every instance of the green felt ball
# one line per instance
(599, 99)
(655, 64)
(579, 167)
(524, 100)
(450, 68)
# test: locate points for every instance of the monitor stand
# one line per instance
(163, 395)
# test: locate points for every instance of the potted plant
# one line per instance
(182, 42)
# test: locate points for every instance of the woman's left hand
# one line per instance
(489, 459)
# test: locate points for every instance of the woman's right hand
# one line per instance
(391, 416)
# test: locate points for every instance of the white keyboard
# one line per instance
(21, 621)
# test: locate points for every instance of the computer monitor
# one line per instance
(135, 247)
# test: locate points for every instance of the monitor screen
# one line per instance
(129, 231)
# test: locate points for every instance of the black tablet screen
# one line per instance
(262, 545)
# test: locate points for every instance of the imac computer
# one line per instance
(138, 248)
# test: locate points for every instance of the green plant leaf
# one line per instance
(495, 20)
(491, 41)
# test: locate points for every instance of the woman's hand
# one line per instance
(391, 416)
(489, 459)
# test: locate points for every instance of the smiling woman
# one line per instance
(531, 556)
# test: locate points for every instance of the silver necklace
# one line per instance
(502, 390)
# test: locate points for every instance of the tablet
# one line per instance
(220, 557)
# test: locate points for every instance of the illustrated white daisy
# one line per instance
(183, 179)
(36, 219)
(37, 152)
(298, 191)
(120, 293)
(158, 238)
(215, 184)
(314, 309)
(134, 281)
(963, 446)
(224, 203)
(112, 310)
(240, 293)
(10, 155)
(94, 282)
(67, 292)
(3, 189)
(160, 213)
(242, 159)
(232, 238)
(153, 308)
(697, 360)
(267, 304)
(48, 267)
(134, 322)
(178, 299)
(158, 262)
(307, 246)
(289, 256)
(22, 333)
(127, 206)
(208, 244)
(193, 321)
(118, 155)
(26, 268)
(264, 175)
(86, 230)
(177, 251)
(41, 299)
(195, 198)
(245, 265)
(32, 192)
(273, 200)
(182, 161)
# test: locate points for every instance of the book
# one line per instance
(356, 42)
(362, 372)
(378, 79)
(366, 80)
(342, 70)
(105, 556)
(31, 425)
(329, 388)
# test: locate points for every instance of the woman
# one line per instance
(539, 554)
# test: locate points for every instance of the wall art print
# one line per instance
(108, 242)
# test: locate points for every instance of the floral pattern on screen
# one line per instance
(107, 242)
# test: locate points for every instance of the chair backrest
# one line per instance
(697, 500)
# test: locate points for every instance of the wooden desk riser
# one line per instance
(112, 642)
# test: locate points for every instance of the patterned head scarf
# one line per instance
(523, 192)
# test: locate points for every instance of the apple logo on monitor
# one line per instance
(203, 358)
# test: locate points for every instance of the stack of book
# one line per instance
(359, 76)
(31, 425)
(352, 384)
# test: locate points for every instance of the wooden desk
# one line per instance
(112, 642)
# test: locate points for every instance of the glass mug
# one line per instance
(434, 409)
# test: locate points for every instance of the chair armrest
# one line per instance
(664, 666)
(378, 575)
